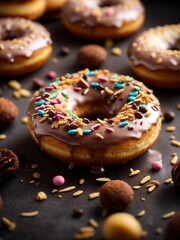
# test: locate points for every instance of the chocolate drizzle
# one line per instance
(21, 38)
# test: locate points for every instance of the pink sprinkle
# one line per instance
(157, 165)
(54, 102)
(77, 89)
(58, 100)
(58, 180)
(109, 130)
(109, 12)
(40, 107)
(51, 75)
(37, 98)
(49, 88)
(95, 127)
(103, 79)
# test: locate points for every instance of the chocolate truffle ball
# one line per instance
(116, 195)
(122, 226)
(175, 173)
(8, 112)
(91, 56)
(173, 228)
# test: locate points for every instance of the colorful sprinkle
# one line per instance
(90, 74)
(42, 90)
(37, 98)
(41, 112)
(49, 88)
(86, 131)
(58, 180)
(115, 77)
(131, 99)
(123, 124)
(96, 126)
(109, 130)
(75, 117)
(53, 94)
(39, 103)
(51, 75)
(94, 84)
(109, 12)
(65, 95)
(119, 85)
(103, 79)
(72, 131)
(77, 89)
(157, 165)
(136, 88)
(134, 94)
(69, 113)
(129, 79)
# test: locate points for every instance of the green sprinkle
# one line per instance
(72, 131)
(115, 77)
(123, 124)
(129, 79)
(87, 131)
(53, 94)
(69, 113)
(65, 95)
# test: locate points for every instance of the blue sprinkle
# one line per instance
(87, 131)
(123, 124)
(131, 99)
(57, 81)
(143, 106)
(90, 74)
(72, 131)
(133, 94)
(75, 117)
(41, 112)
(50, 84)
(42, 90)
(39, 103)
(119, 85)
(94, 84)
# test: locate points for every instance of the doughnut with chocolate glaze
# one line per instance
(155, 56)
(24, 46)
(103, 19)
(94, 118)
(31, 9)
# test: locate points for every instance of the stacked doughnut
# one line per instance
(94, 118)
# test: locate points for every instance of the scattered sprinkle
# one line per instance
(116, 51)
(24, 120)
(93, 223)
(134, 173)
(103, 179)
(78, 193)
(168, 215)
(171, 129)
(67, 189)
(174, 160)
(175, 143)
(81, 181)
(58, 180)
(141, 213)
(11, 226)
(94, 195)
(145, 179)
(168, 181)
(136, 187)
(14, 84)
(29, 214)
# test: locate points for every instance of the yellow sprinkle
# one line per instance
(67, 189)
(77, 193)
(175, 143)
(94, 195)
(103, 179)
(141, 213)
(93, 223)
(151, 188)
(168, 215)
(145, 179)
(29, 214)
(171, 129)
(168, 181)
(11, 226)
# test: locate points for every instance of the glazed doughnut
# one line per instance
(155, 56)
(103, 19)
(94, 118)
(24, 46)
(55, 5)
(31, 9)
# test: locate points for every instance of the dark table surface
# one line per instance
(55, 219)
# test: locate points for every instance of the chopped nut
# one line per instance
(116, 51)
(36, 175)
(151, 188)
(171, 129)
(24, 93)
(29, 214)
(24, 120)
(145, 179)
(103, 179)
(93, 223)
(136, 187)
(81, 181)
(77, 193)
(14, 84)
(141, 213)
(174, 160)
(134, 173)
(168, 181)
(41, 196)
(67, 189)
(175, 143)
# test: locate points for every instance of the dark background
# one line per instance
(55, 219)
